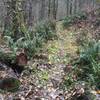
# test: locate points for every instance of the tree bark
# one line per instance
(30, 18)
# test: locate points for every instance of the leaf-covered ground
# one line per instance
(47, 73)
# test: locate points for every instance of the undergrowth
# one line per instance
(86, 69)
(31, 41)
(73, 19)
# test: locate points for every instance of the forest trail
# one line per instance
(47, 75)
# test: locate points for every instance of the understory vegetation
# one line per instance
(66, 54)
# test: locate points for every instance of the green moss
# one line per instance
(9, 84)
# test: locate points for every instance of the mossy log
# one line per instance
(9, 84)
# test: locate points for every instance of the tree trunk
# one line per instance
(7, 21)
(42, 10)
(49, 9)
(30, 19)
(55, 7)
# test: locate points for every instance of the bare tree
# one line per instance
(7, 21)
(42, 10)
(30, 18)
(49, 8)
(55, 7)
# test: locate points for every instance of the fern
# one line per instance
(89, 62)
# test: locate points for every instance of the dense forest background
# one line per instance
(33, 11)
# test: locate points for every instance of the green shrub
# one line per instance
(31, 44)
(89, 63)
(69, 20)
(31, 41)
(86, 70)
(46, 30)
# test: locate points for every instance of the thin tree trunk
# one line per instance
(42, 10)
(49, 10)
(67, 4)
(55, 7)
(7, 21)
(30, 20)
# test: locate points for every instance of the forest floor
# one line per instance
(44, 81)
